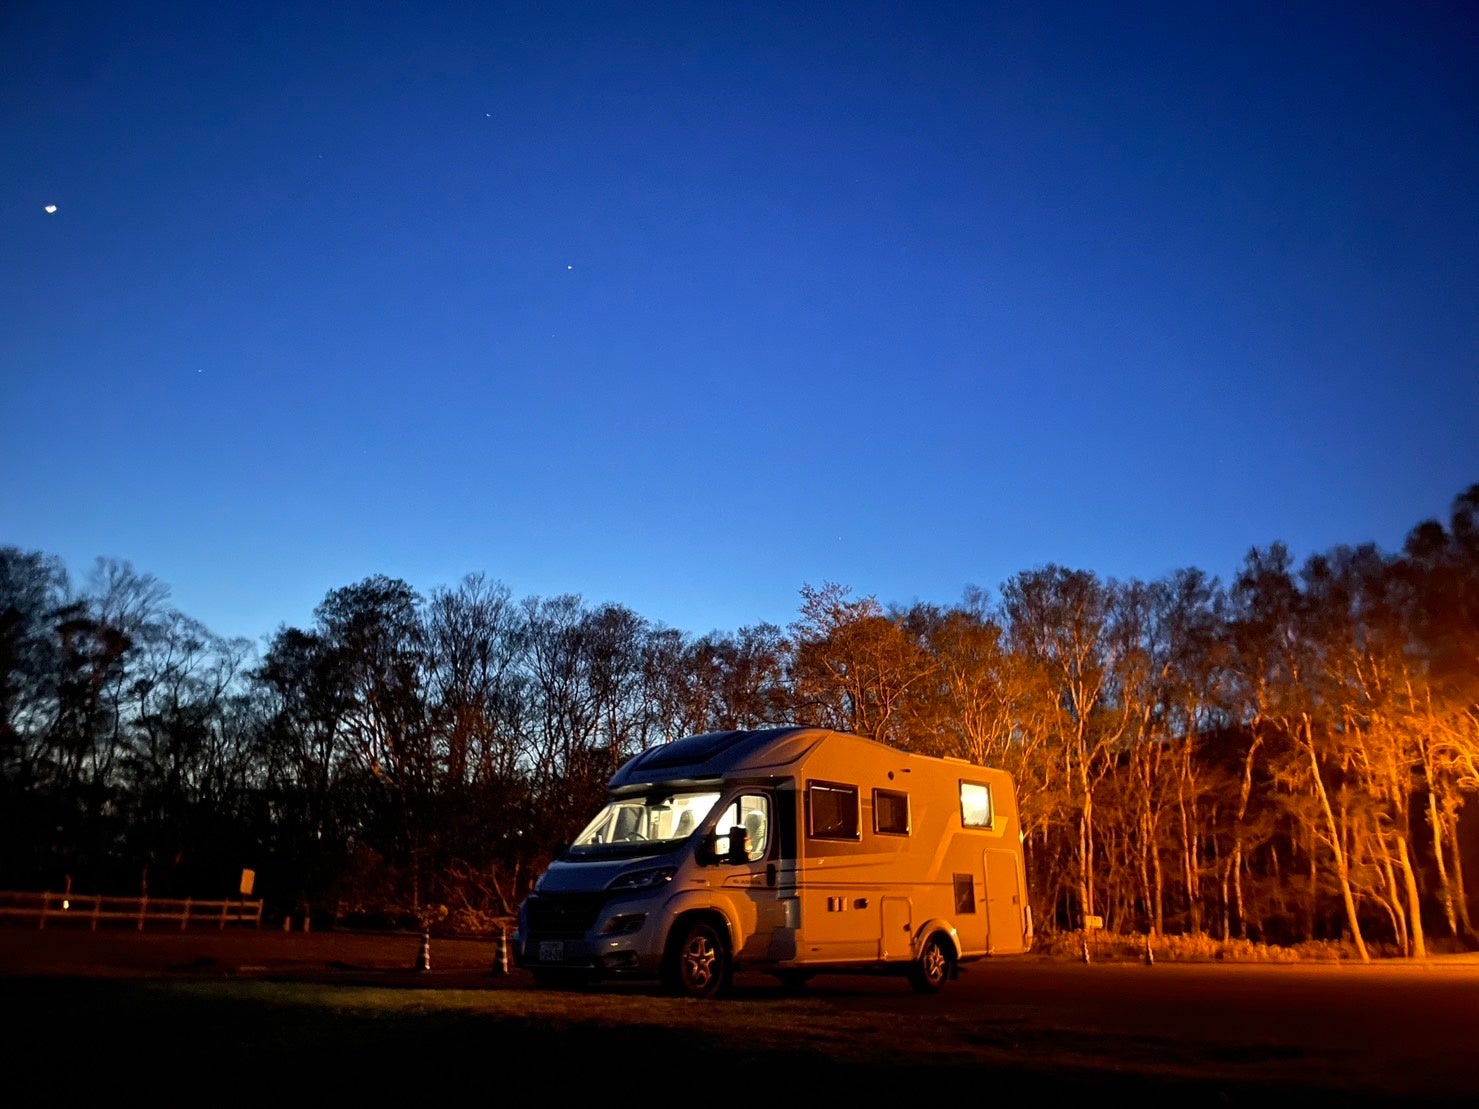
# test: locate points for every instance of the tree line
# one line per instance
(1281, 758)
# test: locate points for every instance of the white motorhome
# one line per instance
(790, 851)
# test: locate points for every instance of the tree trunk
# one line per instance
(1145, 851)
(1188, 859)
(1085, 889)
(1440, 838)
(1414, 901)
(1239, 911)
(1460, 894)
(1343, 875)
(1224, 919)
(1336, 842)
(1245, 791)
(1392, 902)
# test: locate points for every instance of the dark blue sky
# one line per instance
(684, 306)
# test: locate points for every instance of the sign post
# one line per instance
(248, 880)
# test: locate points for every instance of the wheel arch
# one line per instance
(936, 926)
(691, 904)
(710, 913)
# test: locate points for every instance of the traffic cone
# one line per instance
(423, 961)
(500, 952)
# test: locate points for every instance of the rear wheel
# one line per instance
(934, 966)
(698, 963)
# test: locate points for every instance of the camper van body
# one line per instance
(790, 851)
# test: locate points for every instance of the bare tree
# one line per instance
(375, 630)
(33, 587)
(854, 665)
(1058, 619)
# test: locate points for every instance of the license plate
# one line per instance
(551, 951)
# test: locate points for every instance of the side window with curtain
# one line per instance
(890, 812)
(975, 805)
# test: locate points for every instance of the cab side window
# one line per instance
(752, 813)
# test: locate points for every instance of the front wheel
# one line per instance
(932, 969)
(698, 963)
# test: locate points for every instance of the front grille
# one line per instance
(563, 914)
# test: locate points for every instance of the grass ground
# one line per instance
(251, 1016)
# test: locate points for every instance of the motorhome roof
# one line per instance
(712, 755)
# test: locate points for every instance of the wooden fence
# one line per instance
(91, 910)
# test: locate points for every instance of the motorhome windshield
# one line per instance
(655, 818)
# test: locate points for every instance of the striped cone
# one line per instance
(500, 952)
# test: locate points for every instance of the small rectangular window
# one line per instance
(975, 805)
(832, 811)
(965, 893)
(890, 812)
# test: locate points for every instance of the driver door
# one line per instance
(752, 882)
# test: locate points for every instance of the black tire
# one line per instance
(935, 965)
(698, 963)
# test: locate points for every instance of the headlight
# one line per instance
(643, 879)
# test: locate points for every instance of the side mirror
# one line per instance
(708, 850)
(732, 854)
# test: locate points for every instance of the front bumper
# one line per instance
(620, 940)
